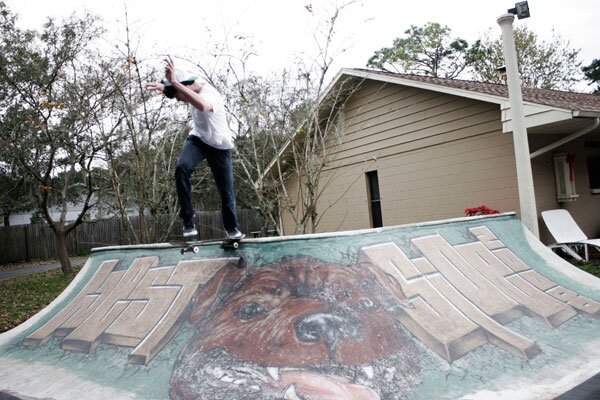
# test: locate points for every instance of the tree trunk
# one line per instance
(62, 253)
(6, 219)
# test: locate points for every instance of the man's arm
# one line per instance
(186, 93)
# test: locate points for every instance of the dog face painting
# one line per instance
(296, 329)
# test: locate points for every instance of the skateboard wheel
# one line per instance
(236, 245)
(196, 249)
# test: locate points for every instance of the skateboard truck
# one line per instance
(190, 249)
(186, 246)
(229, 244)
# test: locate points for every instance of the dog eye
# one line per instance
(251, 310)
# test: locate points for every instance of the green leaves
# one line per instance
(426, 50)
(544, 65)
(592, 73)
(430, 50)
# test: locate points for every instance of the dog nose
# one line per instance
(328, 327)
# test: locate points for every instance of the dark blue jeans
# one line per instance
(195, 151)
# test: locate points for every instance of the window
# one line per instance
(374, 199)
(565, 177)
(592, 152)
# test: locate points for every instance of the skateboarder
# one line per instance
(210, 140)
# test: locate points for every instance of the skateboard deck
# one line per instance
(192, 246)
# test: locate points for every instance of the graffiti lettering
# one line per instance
(462, 296)
(140, 307)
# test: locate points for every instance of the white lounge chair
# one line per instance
(567, 234)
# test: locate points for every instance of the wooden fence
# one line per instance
(37, 241)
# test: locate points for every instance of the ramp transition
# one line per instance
(472, 308)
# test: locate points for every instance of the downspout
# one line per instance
(566, 139)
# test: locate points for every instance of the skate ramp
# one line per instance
(471, 308)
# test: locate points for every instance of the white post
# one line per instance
(524, 174)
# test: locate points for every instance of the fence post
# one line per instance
(26, 239)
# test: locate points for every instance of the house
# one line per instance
(73, 211)
(416, 148)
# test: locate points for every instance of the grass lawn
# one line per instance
(591, 268)
(21, 297)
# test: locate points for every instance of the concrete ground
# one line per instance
(38, 268)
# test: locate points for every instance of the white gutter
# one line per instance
(585, 114)
(566, 139)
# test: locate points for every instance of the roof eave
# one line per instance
(555, 113)
(489, 98)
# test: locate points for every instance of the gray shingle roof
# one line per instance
(552, 98)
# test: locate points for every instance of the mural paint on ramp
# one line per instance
(466, 308)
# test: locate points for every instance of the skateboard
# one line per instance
(193, 246)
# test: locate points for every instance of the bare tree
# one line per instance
(288, 129)
(258, 111)
(318, 127)
(281, 132)
(264, 115)
(47, 123)
(278, 121)
(142, 145)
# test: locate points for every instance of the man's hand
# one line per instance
(169, 75)
(170, 69)
(159, 87)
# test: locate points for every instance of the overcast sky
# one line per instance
(281, 29)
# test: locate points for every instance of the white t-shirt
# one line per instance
(211, 127)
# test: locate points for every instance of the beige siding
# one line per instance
(442, 181)
(425, 146)
(342, 204)
(436, 155)
(287, 219)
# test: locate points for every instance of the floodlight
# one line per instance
(521, 10)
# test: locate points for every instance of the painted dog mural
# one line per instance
(297, 328)
(302, 328)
